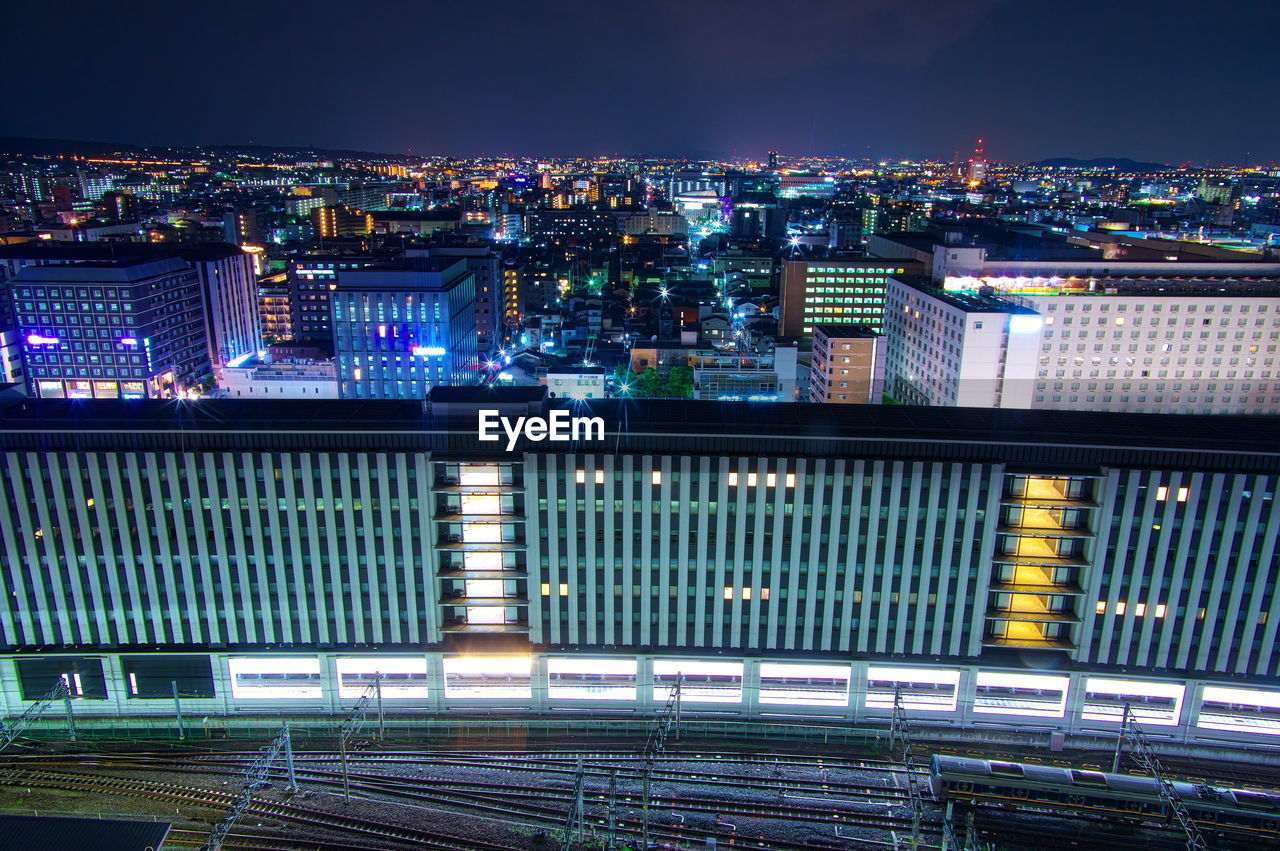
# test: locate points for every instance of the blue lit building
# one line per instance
(400, 330)
(130, 328)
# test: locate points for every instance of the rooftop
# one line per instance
(98, 834)
(696, 425)
(969, 302)
(845, 330)
(63, 251)
(123, 270)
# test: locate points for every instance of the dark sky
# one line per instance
(1172, 81)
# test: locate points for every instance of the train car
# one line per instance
(1118, 798)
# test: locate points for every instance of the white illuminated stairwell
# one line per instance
(480, 548)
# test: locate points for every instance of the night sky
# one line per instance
(1173, 81)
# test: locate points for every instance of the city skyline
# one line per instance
(871, 79)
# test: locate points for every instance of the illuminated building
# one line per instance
(512, 304)
(244, 227)
(1144, 345)
(483, 263)
(976, 172)
(311, 278)
(335, 221)
(283, 380)
(840, 290)
(275, 307)
(575, 382)
(1021, 568)
(400, 330)
(757, 215)
(725, 376)
(847, 366)
(228, 284)
(100, 329)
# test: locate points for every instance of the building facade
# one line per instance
(400, 330)
(125, 329)
(1039, 568)
(836, 291)
(847, 365)
(1158, 346)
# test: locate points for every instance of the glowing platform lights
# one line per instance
(428, 351)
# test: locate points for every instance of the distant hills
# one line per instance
(1118, 163)
(23, 146)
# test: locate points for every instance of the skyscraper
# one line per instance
(130, 328)
(400, 330)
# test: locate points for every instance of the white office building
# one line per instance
(1137, 345)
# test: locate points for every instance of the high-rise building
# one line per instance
(228, 285)
(756, 215)
(112, 329)
(400, 330)
(244, 226)
(847, 365)
(843, 290)
(482, 260)
(990, 567)
(336, 221)
(512, 302)
(311, 279)
(1149, 345)
(275, 308)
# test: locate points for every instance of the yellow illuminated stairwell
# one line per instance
(1035, 578)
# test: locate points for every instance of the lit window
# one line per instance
(733, 480)
(1162, 493)
(564, 589)
(752, 478)
(1183, 493)
(1140, 609)
(728, 593)
(657, 477)
(746, 593)
(599, 477)
(1119, 608)
(1160, 610)
(582, 477)
(791, 480)
(771, 480)
(1102, 607)
(546, 589)
(764, 593)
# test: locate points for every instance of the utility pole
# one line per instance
(58, 691)
(66, 704)
(898, 730)
(612, 842)
(256, 776)
(352, 724)
(575, 821)
(177, 709)
(382, 720)
(1124, 722)
(668, 718)
(1146, 757)
(679, 684)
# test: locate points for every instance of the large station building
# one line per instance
(996, 568)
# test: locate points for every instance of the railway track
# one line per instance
(216, 800)
(599, 767)
(528, 807)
